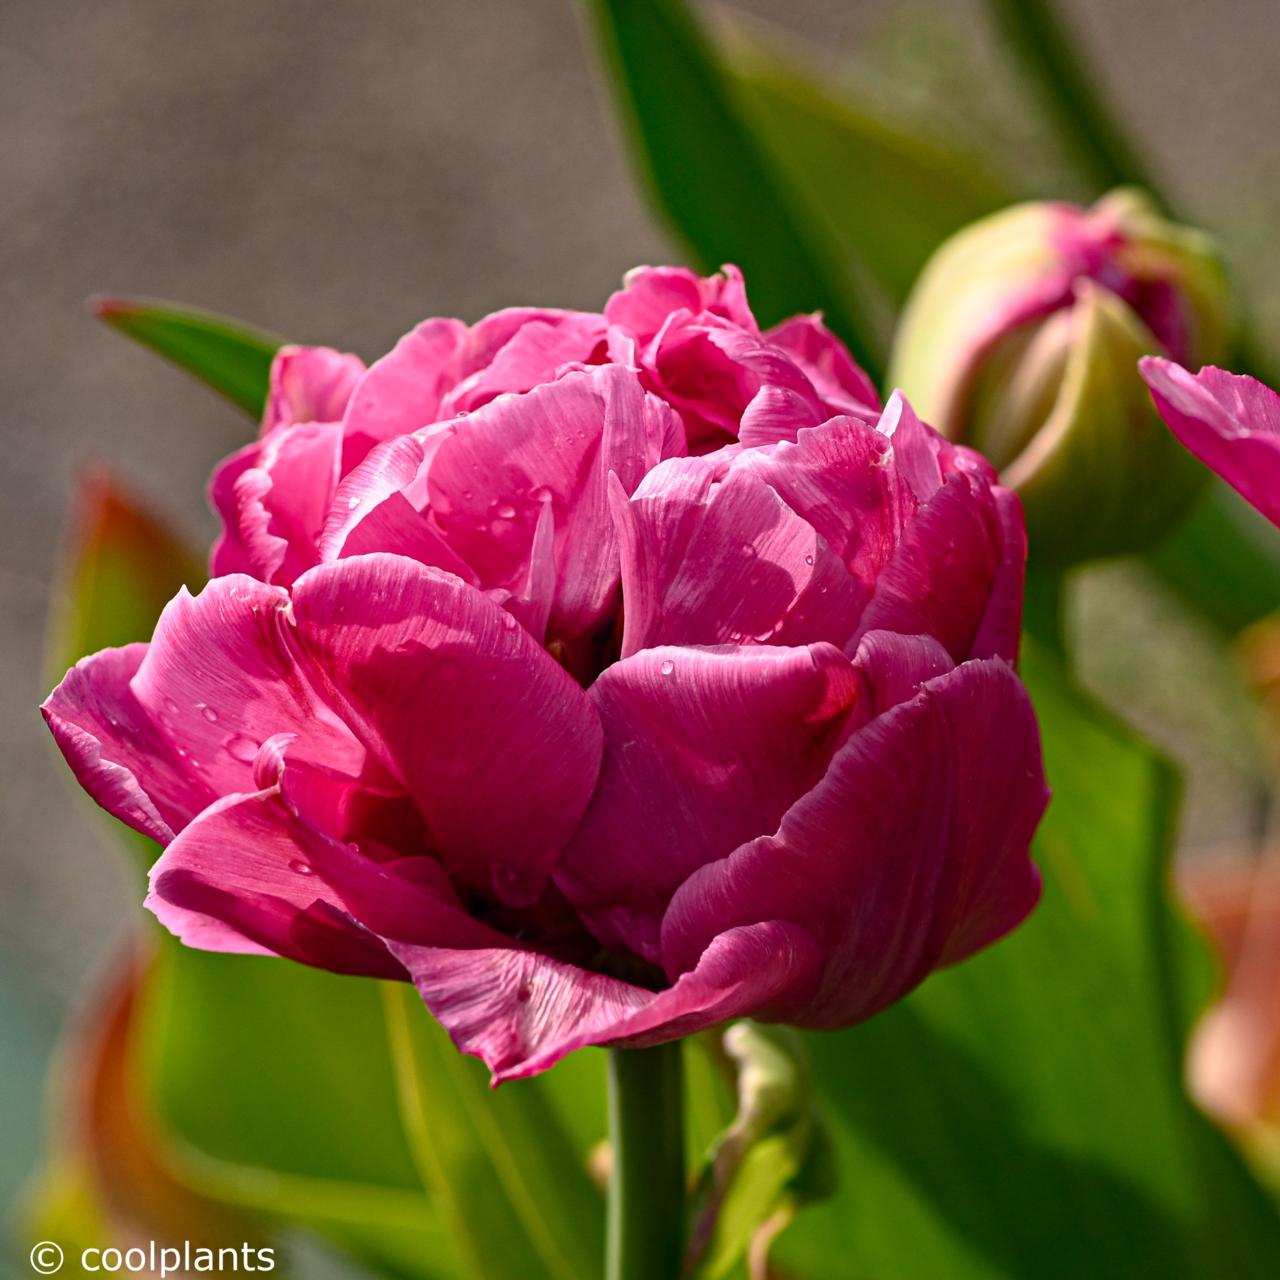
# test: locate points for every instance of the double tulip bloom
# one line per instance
(605, 675)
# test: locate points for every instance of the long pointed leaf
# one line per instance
(232, 358)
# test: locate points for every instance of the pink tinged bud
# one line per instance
(1021, 339)
(606, 676)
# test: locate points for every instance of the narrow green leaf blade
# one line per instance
(232, 358)
(507, 1173)
(710, 178)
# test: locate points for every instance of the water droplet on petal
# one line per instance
(208, 712)
(353, 503)
(301, 868)
(506, 512)
(238, 747)
(808, 559)
(170, 706)
(508, 622)
(667, 667)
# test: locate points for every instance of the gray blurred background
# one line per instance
(335, 171)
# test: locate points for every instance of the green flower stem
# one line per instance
(646, 1188)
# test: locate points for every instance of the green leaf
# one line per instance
(1224, 562)
(232, 358)
(1024, 1114)
(887, 195)
(709, 176)
(509, 1177)
(275, 1084)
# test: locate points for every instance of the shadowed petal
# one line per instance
(521, 1012)
(495, 742)
(703, 749)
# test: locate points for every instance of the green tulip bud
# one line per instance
(1022, 339)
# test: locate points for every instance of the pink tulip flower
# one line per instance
(1231, 422)
(607, 677)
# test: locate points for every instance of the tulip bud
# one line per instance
(1022, 339)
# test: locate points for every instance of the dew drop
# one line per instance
(667, 667)
(301, 868)
(240, 748)
(808, 559)
(170, 706)
(208, 712)
(508, 622)
(353, 503)
(506, 512)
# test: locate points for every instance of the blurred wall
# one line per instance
(335, 171)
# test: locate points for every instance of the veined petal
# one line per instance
(711, 554)
(492, 476)
(402, 392)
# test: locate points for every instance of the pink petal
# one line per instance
(110, 743)
(157, 732)
(703, 749)
(495, 742)
(492, 475)
(403, 391)
(281, 501)
(842, 478)
(650, 294)
(309, 384)
(893, 668)
(248, 876)
(712, 554)
(910, 854)
(1231, 422)
(827, 364)
(1000, 631)
(229, 554)
(521, 1012)
(538, 349)
(940, 578)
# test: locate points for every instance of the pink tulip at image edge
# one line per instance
(606, 675)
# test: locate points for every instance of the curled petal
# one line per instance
(910, 854)
(309, 384)
(827, 364)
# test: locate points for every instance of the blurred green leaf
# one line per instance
(1024, 1114)
(232, 358)
(120, 567)
(276, 1084)
(711, 179)
(1224, 562)
(505, 1170)
(888, 196)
